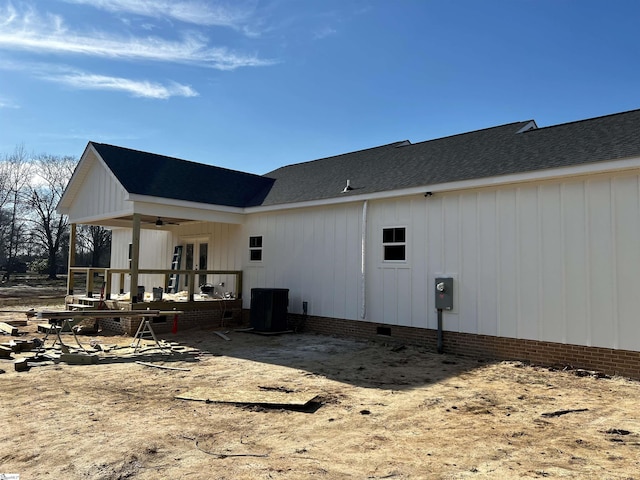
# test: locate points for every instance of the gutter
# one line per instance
(605, 166)
(363, 261)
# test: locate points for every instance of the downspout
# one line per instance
(363, 262)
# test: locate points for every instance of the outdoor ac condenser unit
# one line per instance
(269, 308)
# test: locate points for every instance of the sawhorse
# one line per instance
(143, 329)
(58, 325)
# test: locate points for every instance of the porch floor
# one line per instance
(197, 313)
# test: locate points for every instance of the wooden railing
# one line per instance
(108, 276)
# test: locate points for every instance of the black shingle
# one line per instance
(484, 153)
(166, 177)
(480, 154)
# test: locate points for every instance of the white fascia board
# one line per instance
(133, 197)
(526, 177)
(101, 218)
(167, 207)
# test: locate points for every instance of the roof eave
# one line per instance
(593, 168)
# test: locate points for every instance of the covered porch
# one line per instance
(206, 296)
(177, 230)
(145, 273)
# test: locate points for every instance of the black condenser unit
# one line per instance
(269, 309)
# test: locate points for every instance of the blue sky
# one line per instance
(253, 85)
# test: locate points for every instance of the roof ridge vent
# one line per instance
(403, 143)
(531, 125)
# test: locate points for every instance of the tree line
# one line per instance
(33, 236)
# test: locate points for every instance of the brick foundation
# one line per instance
(195, 315)
(613, 362)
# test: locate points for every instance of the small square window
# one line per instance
(394, 244)
(255, 248)
(255, 242)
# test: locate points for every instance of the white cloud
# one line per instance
(6, 103)
(324, 33)
(147, 89)
(34, 33)
(89, 81)
(206, 13)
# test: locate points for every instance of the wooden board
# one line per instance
(10, 329)
(61, 314)
(5, 352)
(16, 323)
(253, 396)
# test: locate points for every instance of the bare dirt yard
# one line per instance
(300, 406)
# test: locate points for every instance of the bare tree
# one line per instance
(95, 240)
(52, 173)
(15, 174)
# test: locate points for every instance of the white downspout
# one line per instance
(363, 263)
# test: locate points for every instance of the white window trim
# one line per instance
(261, 248)
(383, 244)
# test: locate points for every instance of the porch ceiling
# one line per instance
(146, 221)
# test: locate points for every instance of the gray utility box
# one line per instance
(444, 293)
(269, 308)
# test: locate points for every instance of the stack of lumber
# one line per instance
(16, 323)
(10, 329)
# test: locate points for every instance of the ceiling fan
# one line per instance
(160, 222)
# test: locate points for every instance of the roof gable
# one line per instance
(155, 175)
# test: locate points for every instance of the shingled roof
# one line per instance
(506, 149)
(155, 175)
(491, 152)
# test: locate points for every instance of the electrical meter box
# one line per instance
(444, 293)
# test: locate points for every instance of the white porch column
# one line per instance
(72, 259)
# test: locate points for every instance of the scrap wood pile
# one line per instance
(57, 342)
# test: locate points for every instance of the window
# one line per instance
(255, 248)
(394, 244)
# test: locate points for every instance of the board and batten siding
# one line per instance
(100, 196)
(157, 246)
(224, 248)
(156, 249)
(314, 252)
(554, 261)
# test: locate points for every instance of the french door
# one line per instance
(196, 257)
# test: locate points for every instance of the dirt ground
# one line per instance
(376, 410)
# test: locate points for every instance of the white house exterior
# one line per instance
(539, 228)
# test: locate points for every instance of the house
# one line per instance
(539, 228)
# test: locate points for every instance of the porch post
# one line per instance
(135, 258)
(72, 259)
(107, 284)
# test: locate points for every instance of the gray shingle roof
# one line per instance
(484, 153)
(166, 177)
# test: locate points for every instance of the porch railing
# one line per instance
(108, 275)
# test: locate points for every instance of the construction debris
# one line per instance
(255, 396)
(164, 367)
(21, 365)
(564, 412)
(5, 352)
(10, 329)
(222, 336)
(78, 359)
(16, 323)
